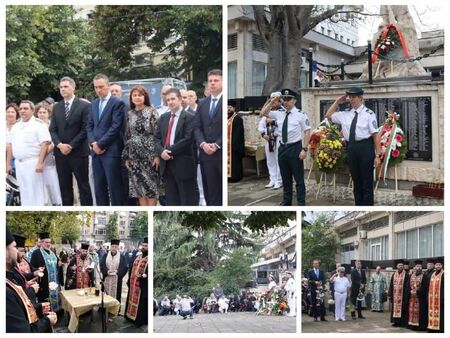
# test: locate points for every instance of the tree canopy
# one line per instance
(63, 226)
(195, 250)
(112, 227)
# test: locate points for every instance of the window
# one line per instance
(347, 253)
(342, 38)
(232, 41)
(322, 30)
(420, 243)
(258, 77)
(329, 32)
(353, 42)
(232, 80)
(122, 233)
(100, 232)
(101, 220)
(376, 249)
(258, 43)
(348, 41)
(336, 36)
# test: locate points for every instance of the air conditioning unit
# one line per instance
(363, 234)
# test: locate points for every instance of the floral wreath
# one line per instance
(390, 38)
(393, 142)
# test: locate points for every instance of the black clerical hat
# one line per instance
(418, 261)
(439, 260)
(9, 237)
(20, 241)
(399, 261)
(44, 235)
(288, 93)
(355, 91)
(431, 260)
(145, 240)
(115, 241)
(84, 246)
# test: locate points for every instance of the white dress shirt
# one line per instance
(366, 124)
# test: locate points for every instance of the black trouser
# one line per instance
(291, 165)
(360, 162)
(179, 192)
(212, 181)
(355, 302)
(79, 167)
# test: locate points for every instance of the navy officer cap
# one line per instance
(288, 92)
(355, 91)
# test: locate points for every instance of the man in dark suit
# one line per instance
(68, 130)
(359, 282)
(208, 135)
(106, 140)
(316, 278)
(174, 140)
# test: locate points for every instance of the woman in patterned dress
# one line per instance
(139, 153)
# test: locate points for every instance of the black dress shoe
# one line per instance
(361, 317)
(316, 320)
(323, 320)
(285, 203)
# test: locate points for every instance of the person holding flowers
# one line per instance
(360, 129)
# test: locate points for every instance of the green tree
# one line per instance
(140, 229)
(191, 35)
(319, 240)
(63, 226)
(43, 44)
(112, 229)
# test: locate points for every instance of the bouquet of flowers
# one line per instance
(393, 143)
(327, 147)
(279, 302)
(390, 38)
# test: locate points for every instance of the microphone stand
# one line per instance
(102, 304)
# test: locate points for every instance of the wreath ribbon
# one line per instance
(383, 37)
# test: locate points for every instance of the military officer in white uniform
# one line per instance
(360, 128)
(290, 290)
(294, 126)
(270, 132)
(28, 143)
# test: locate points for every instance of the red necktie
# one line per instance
(169, 130)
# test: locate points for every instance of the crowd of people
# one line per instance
(35, 279)
(415, 296)
(286, 133)
(276, 300)
(120, 153)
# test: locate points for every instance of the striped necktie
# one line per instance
(67, 110)
(213, 107)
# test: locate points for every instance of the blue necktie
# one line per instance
(101, 107)
(317, 273)
(213, 107)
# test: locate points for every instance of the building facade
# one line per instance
(385, 236)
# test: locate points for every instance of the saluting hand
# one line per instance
(341, 99)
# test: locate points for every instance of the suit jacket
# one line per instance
(357, 280)
(107, 130)
(312, 277)
(208, 129)
(73, 130)
(182, 164)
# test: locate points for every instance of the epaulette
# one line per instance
(369, 111)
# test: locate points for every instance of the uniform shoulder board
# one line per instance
(369, 111)
(348, 109)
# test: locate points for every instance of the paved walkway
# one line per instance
(251, 191)
(375, 322)
(241, 322)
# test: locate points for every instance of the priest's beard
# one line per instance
(83, 256)
(11, 263)
(144, 253)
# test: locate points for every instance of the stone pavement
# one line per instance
(251, 191)
(375, 322)
(233, 322)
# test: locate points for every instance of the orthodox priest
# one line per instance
(398, 296)
(236, 145)
(114, 267)
(21, 316)
(436, 298)
(80, 272)
(49, 283)
(417, 307)
(137, 301)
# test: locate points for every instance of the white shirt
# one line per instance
(174, 126)
(272, 285)
(161, 109)
(26, 138)
(290, 285)
(341, 284)
(185, 304)
(366, 124)
(165, 303)
(262, 125)
(298, 123)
